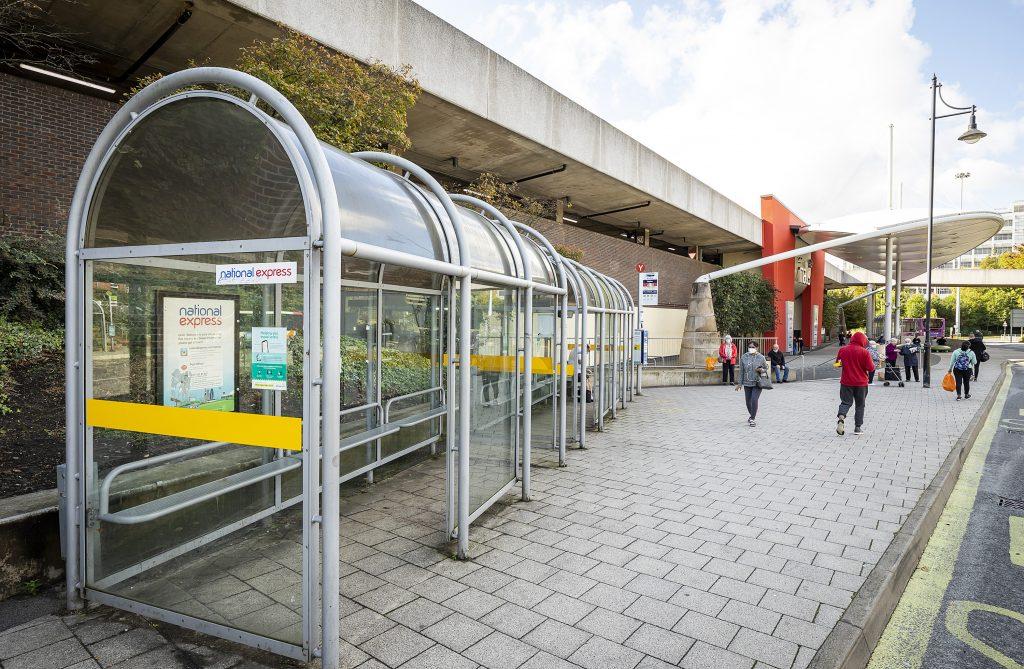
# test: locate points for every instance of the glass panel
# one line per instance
(198, 170)
(358, 373)
(493, 393)
(396, 275)
(175, 338)
(410, 364)
(487, 248)
(545, 370)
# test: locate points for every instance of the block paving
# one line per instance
(680, 537)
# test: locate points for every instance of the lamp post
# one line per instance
(971, 135)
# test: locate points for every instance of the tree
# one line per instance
(744, 304)
(508, 198)
(27, 37)
(855, 313)
(352, 106)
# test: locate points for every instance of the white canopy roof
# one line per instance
(953, 235)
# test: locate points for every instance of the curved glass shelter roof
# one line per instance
(953, 235)
(185, 179)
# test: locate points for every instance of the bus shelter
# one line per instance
(277, 319)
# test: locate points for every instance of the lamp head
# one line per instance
(972, 134)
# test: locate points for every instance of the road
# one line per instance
(964, 606)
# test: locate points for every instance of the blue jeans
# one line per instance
(781, 373)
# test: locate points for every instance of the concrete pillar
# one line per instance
(559, 209)
(777, 236)
(887, 322)
(958, 312)
(700, 334)
(869, 311)
(647, 236)
(813, 296)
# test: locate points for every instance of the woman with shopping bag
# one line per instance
(753, 379)
(961, 365)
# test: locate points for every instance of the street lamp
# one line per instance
(971, 135)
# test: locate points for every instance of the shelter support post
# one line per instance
(887, 322)
(898, 311)
(869, 311)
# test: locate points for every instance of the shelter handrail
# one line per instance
(141, 464)
(204, 492)
(390, 401)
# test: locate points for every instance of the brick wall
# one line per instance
(618, 258)
(45, 135)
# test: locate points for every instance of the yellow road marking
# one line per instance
(956, 623)
(1017, 540)
(247, 429)
(905, 640)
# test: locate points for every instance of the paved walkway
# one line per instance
(680, 537)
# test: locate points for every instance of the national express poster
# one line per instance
(199, 351)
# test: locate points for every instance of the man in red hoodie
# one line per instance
(853, 385)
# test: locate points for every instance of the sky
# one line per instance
(792, 98)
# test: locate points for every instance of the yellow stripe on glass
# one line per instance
(507, 363)
(248, 429)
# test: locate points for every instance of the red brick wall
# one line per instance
(45, 135)
(618, 258)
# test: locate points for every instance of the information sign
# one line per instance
(270, 358)
(198, 351)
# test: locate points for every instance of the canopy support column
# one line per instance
(887, 323)
(898, 313)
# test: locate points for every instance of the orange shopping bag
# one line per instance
(709, 362)
(948, 382)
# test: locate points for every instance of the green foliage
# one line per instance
(20, 342)
(508, 198)
(32, 280)
(855, 313)
(744, 304)
(32, 587)
(401, 372)
(570, 252)
(352, 106)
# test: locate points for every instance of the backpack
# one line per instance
(962, 362)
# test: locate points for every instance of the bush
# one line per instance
(21, 342)
(744, 304)
(32, 280)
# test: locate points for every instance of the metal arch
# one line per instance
(600, 335)
(559, 265)
(527, 440)
(324, 223)
(627, 339)
(465, 310)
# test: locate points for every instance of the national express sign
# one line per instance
(256, 273)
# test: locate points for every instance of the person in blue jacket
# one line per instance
(909, 353)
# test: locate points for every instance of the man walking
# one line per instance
(779, 369)
(853, 384)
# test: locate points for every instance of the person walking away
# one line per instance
(978, 347)
(842, 339)
(754, 378)
(961, 364)
(909, 352)
(892, 372)
(779, 368)
(727, 354)
(853, 385)
(876, 360)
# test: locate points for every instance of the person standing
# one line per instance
(727, 355)
(853, 384)
(978, 347)
(962, 364)
(909, 352)
(753, 378)
(892, 372)
(779, 368)
(842, 339)
(876, 360)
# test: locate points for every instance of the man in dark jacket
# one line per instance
(978, 346)
(779, 368)
(909, 352)
(853, 384)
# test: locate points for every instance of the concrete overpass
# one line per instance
(972, 278)
(479, 112)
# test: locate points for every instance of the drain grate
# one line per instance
(1011, 503)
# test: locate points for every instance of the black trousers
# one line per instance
(751, 394)
(963, 380)
(728, 372)
(853, 396)
(907, 368)
(977, 366)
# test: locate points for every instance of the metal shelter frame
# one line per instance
(311, 444)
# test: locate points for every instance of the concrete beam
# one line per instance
(457, 69)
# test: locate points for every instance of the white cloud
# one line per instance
(789, 97)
